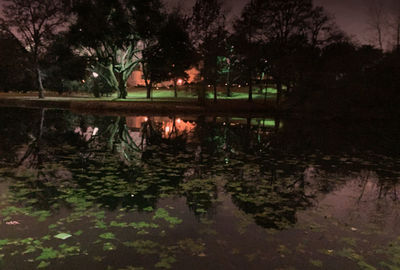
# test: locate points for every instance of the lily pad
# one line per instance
(62, 236)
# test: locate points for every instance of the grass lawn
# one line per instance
(162, 94)
(162, 101)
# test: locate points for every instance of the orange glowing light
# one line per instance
(180, 81)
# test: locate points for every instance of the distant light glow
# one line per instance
(146, 119)
(178, 120)
(180, 82)
(95, 74)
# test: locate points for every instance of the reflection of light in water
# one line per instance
(168, 126)
(95, 131)
(233, 121)
(263, 122)
(136, 121)
(88, 134)
(179, 128)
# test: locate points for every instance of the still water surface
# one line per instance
(188, 192)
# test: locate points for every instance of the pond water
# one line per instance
(191, 192)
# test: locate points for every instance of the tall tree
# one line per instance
(247, 40)
(150, 20)
(34, 23)
(377, 20)
(62, 65)
(209, 36)
(174, 54)
(283, 27)
(395, 24)
(14, 59)
(108, 32)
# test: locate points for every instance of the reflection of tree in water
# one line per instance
(121, 141)
(33, 157)
(37, 175)
(141, 167)
(376, 197)
(217, 145)
(148, 163)
(273, 202)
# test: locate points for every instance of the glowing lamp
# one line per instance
(95, 74)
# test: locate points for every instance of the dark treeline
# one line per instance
(292, 46)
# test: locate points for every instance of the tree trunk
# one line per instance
(39, 80)
(147, 82)
(398, 37)
(175, 89)
(215, 92)
(279, 93)
(122, 93)
(250, 86)
(228, 90)
(201, 94)
(228, 83)
(148, 88)
(380, 39)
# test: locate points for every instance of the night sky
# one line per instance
(350, 14)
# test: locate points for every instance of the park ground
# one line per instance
(162, 101)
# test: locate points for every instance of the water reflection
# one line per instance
(73, 168)
(134, 161)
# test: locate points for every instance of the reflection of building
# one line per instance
(177, 127)
(136, 79)
(170, 126)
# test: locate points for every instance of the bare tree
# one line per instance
(377, 20)
(395, 23)
(34, 23)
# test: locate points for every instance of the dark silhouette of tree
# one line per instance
(377, 20)
(150, 20)
(247, 41)
(33, 157)
(13, 61)
(395, 25)
(383, 81)
(284, 29)
(63, 65)
(176, 47)
(170, 55)
(34, 23)
(209, 37)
